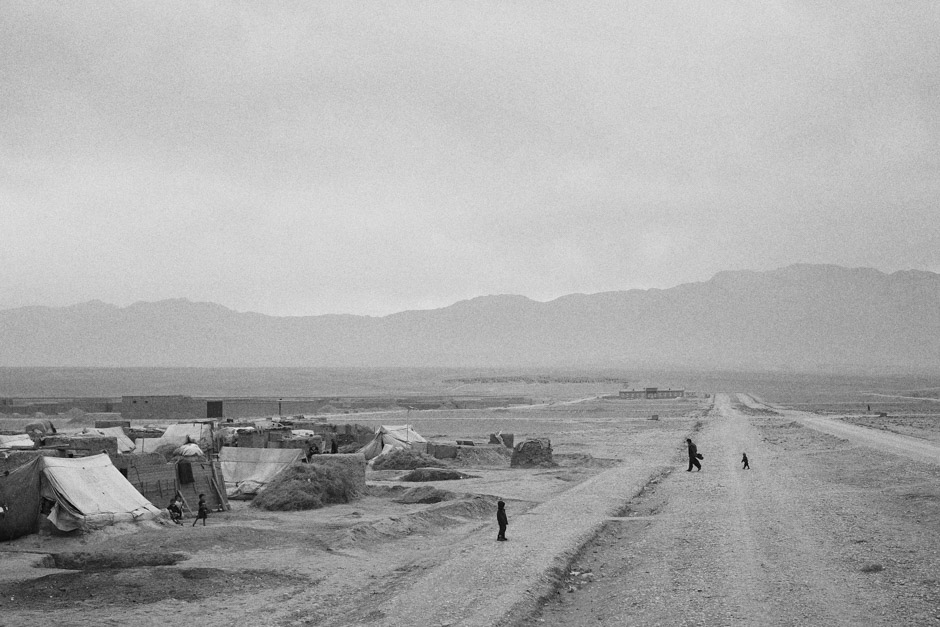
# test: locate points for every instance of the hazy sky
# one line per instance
(326, 157)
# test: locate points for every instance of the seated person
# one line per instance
(176, 510)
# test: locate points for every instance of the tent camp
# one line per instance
(247, 471)
(85, 493)
(388, 438)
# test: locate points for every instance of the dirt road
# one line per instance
(912, 448)
(813, 534)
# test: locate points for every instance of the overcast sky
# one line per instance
(301, 158)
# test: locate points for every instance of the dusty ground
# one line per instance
(367, 562)
(821, 531)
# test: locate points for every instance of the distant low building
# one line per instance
(651, 393)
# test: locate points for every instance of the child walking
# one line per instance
(747, 466)
(501, 520)
(203, 512)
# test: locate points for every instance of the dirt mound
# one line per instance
(431, 520)
(434, 474)
(102, 589)
(110, 560)
(308, 486)
(426, 494)
(581, 460)
(405, 459)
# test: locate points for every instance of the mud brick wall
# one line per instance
(442, 451)
(105, 424)
(83, 444)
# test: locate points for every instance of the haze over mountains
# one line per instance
(803, 317)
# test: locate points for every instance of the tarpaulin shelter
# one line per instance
(85, 492)
(388, 438)
(21, 500)
(247, 471)
(20, 440)
(200, 433)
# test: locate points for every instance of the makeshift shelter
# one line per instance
(200, 433)
(124, 443)
(388, 438)
(159, 480)
(40, 428)
(248, 470)
(85, 493)
(20, 440)
(20, 500)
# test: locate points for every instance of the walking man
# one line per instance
(747, 466)
(693, 455)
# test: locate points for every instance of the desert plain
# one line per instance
(837, 522)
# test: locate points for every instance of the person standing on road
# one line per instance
(693, 455)
(747, 466)
(501, 520)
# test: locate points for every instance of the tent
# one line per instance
(85, 492)
(388, 438)
(247, 471)
(20, 500)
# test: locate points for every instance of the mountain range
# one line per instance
(802, 317)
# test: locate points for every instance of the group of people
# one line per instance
(694, 462)
(695, 457)
(176, 510)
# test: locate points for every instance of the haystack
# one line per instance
(532, 453)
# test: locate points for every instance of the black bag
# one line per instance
(700, 456)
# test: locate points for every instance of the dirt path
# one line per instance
(490, 583)
(776, 545)
(912, 448)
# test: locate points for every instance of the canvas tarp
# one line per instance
(20, 440)
(388, 438)
(21, 500)
(86, 492)
(247, 471)
(178, 435)
(90, 492)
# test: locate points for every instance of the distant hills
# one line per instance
(802, 317)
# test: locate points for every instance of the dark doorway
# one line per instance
(213, 409)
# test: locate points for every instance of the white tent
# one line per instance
(388, 438)
(247, 471)
(89, 492)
